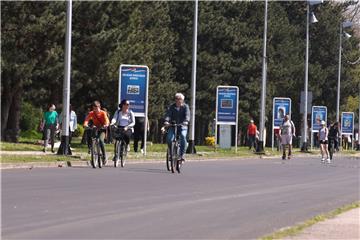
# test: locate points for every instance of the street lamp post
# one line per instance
(313, 20)
(260, 146)
(191, 147)
(342, 26)
(64, 148)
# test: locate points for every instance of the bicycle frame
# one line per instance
(120, 149)
(171, 162)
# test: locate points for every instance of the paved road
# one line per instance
(242, 199)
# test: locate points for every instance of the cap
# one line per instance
(251, 121)
(323, 122)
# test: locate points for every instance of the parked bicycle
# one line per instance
(95, 150)
(120, 145)
(173, 160)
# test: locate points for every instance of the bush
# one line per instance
(31, 134)
(79, 131)
(210, 141)
(30, 117)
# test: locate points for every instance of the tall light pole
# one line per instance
(342, 26)
(64, 148)
(260, 146)
(313, 20)
(191, 147)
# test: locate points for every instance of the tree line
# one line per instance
(159, 35)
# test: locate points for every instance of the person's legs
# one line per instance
(170, 136)
(102, 144)
(52, 136)
(326, 152)
(46, 137)
(142, 140)
(183, 143)
(290, 150)
(136, 139)
(322, 151)
(284, 151)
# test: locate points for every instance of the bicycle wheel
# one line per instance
(123, 153)
(94, 154)
(174, 156)
(168, 160)
(116, 161)
(100, 163)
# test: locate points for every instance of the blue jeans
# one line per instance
(171, 135)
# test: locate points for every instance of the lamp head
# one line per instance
(347, 36)
(347, 24)
(315, 2)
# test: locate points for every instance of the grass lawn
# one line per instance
(154, 151)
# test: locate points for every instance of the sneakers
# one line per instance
(283, 157)
(142, 151)
(323, 160)
(328, 160)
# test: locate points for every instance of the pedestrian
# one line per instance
(324, 141)
(72, 122)
(50, 123)
(139, 130)
(251, 134)
(287, 131)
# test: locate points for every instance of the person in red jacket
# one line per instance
(251, 134)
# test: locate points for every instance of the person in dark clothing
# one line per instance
(334, 135)
(139, 130)
(179, 112)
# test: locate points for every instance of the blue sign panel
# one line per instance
(319, 113)
(133, 85)
(347, 123)
(281, 107)
(227, 105)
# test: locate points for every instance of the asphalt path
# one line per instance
(227, 199)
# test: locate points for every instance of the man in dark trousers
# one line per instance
(139, 129)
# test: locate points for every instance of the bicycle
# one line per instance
(120, 145)
(173, 160)
(95, 150)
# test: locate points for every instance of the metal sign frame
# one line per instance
(236, 112)
(136, 88)
(273, 119)
(316, 127)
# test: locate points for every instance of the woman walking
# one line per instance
(50, 123)
(323, 139)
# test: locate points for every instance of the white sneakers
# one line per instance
(142, 151)
(327, 160)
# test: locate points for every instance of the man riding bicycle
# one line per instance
(179, 112)
(124, 119)
(334, 135)
(101, 121)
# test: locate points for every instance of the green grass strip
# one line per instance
(297, 229)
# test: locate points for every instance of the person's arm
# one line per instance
(75, 121)
(107, 122)
(167, 117)
(187, 115)
(87, 119)
(132, 120)
(113, 120)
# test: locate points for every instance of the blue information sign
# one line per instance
(227, 105)
(133, 86)
(347, 123)
(318, 114)
(281, 107)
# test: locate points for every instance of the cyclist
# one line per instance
(124, 118)
(334, 135)
(323, 139)
(179, 112)
(100, 120)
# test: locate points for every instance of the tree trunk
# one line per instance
(10, 114)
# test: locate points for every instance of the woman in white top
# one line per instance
(124, 118)
(323, 138)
